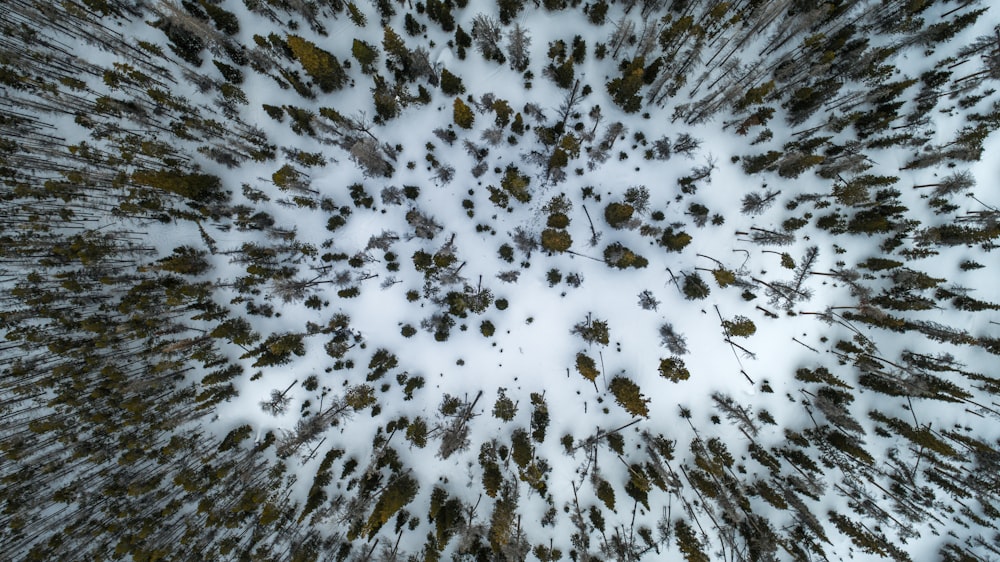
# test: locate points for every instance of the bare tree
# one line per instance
(518, 42)
(278, 402)
(755, 203)
(455, 432)
(424, 225)
(672, 340)
(686, 145)
(382, 241)
(624, 29)
(953, 183)
(366, 153)
(486, 34)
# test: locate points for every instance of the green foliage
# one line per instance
(416, 432)
(182, 41)
(492, 478)
(516, 184)
(760, 162)
(624, 90)
(232, 74)
(225, 21)
(619, 256)
(359, 397)
(317, 494)
(521, 450)
(618, 214)
(880, 264)
(627, 394)
(673, 369)
(593, 331)
(674, 241)
(586, 367)
(869, 542)
(357, 16)
(366, 55)
(503, 112)
(202, 188)
(740, 327)
(597, 12)
(509, 10)
(688, 543)
(557, 220)
(234, 437)
(922, 437)
(451, 85)
(277, 349)
(539, 417)
(504, 408)
(382, 362)
(400, 491)
(694, 287)
(820, 375)
(320, 65)
(462, 114)
(638, 485)
(556, 240)
(502, 520)
(606, 493)
(185, 260)
(723, 277)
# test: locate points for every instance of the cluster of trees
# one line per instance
(116, 357)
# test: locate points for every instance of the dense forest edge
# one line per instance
(323, 280)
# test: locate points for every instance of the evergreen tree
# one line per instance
(451, 85)
(624, 90)
(673, 369)
(695, 287)
(366, 55)
(463, 115)
(320, 65)
(627, 394)
(509, 9)
(592, 331)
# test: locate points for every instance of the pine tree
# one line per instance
(451, 85)
(366, 55)
(509, 10)
(618, 214)
(627, 394)
(592, 331)
(740, 326)
(624, 90)
(400, 491)
(597, 12)
(617, 255)
(504, 408)
(695, 287)
(586, 367)
(674, 241)
(320, 65)
(673, 369)
(463, 115)
(396, 53)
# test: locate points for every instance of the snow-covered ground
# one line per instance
(533, 348)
